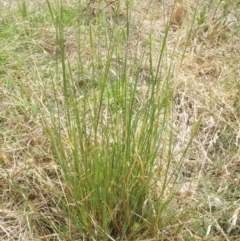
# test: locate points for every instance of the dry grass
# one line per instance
(206, 83)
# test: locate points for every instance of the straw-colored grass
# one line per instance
(119, 120)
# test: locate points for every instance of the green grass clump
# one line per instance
(108, 144)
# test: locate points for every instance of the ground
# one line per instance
(201, 64)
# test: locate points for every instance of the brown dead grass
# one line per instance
(206, 84)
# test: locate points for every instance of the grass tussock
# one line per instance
(119, 120)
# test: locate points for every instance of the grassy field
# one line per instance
(119, 120)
